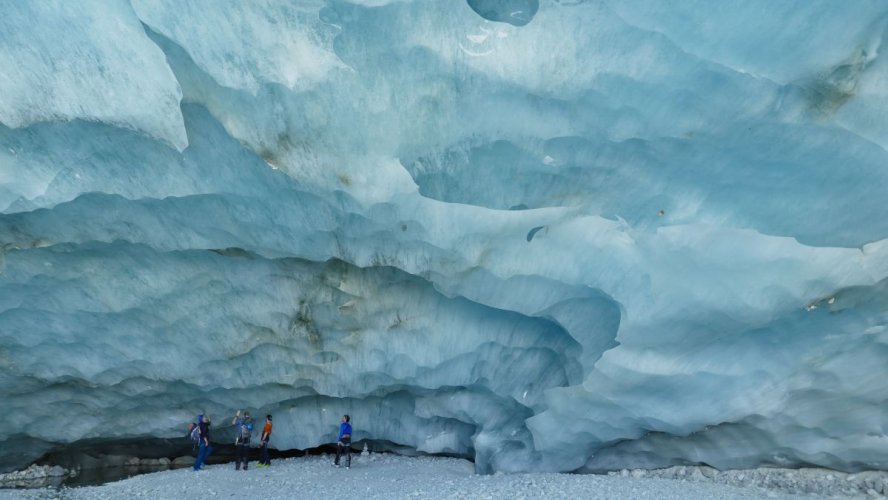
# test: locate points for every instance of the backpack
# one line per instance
(194, 431)
(246, 431)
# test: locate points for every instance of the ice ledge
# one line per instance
(99, 68)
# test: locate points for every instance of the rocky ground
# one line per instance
(794, 481)
(391, 476)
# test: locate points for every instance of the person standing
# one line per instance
(203, 424)
(244, 430)
(264, 460)
(344, 442)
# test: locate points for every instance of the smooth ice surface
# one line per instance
(550, 236)
(88, 61)
(275, 42)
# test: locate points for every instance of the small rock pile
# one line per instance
(795, 481)
(35, 476)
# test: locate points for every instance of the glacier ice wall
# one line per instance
(555, 235)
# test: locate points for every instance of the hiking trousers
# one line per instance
(241, 454)
(344, 445)
(202, 453)
(264, 459)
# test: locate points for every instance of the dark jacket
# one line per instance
(204, 432)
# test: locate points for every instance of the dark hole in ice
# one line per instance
(533, 232)
(514, 12)
(102, 461)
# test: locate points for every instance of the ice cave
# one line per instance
(545, 235)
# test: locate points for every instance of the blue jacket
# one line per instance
(344, 429)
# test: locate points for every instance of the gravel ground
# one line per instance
(392, 476)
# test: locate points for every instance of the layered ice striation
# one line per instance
(560, 236)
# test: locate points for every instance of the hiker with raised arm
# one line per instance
(243, 426)
(204, 449)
